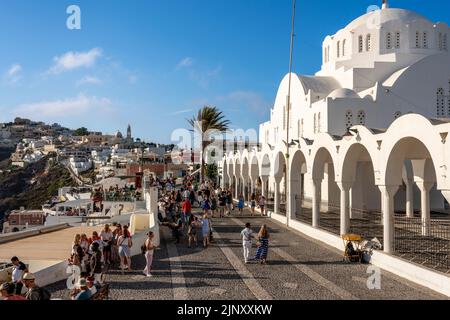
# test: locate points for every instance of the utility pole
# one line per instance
(288, 107)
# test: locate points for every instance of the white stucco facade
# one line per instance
(367, 133)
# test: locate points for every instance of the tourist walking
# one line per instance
(222, 204)
(206, 230)
(107, 237)
(262, 205)
(229, 202)
(241, 203)
(177, 227)
(263, 245)
(206, 206)
(186, 210)
(192, 231)
(247, 234)
(18, 271)
(253, 203)
(150, 248)
(125, 243)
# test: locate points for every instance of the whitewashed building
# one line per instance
(365, 147)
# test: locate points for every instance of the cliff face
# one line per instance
(32, 186)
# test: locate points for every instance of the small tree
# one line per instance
(81, 132)
(211, 172)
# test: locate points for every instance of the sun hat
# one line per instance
(29, 276)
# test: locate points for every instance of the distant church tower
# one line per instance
(129, 132)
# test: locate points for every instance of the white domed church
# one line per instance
(384, 64)
(363, 148)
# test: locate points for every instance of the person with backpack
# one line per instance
(34, 291)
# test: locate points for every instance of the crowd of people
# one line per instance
(92, 255)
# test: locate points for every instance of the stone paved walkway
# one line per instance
(299, 268)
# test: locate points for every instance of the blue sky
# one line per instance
(153, 63)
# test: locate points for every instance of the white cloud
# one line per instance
(176, 113)
(248, 98)
(89, 80)
(74, 60)
(63, 108)
(14, 73)
(185, 63)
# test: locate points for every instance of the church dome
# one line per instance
(119, 135)
(343, 93)
(380, 17)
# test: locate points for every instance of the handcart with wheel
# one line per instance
(352, 247)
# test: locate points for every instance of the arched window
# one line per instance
(444, 42)
(298, 128)
(440, 103)
(417, 39)
(360, 44)
(368, 42)
(361, 117)
(389, 41)
(425, 40)
(328, 54)
(338, 49)
(344, 42)
(440, 41)
(324, 55)
(397, 115)
(397, 40)
(349, 119)
(302, 129)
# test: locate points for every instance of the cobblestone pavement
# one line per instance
(299, 268)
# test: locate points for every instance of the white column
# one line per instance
(387, 196)
(316, 200)
(263, 186)
(236, 188)
(409, 198)
(345, 206)
(276, 206)
(425, 188)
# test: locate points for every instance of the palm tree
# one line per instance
(208, 119)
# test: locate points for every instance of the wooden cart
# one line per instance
(352, 247)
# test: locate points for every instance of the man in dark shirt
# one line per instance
(34, 291)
